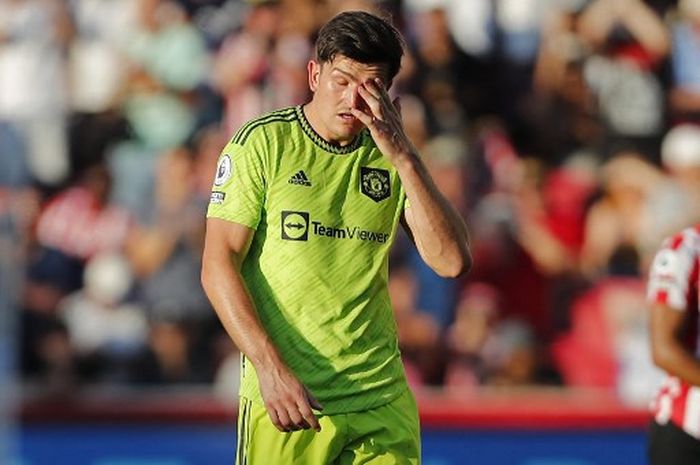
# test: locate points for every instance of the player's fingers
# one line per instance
(284, 420)
(315, 404)
(366, 119)
(371, 87)
(296, 419)
(372, 102)
(274, 417)
(309, 417)
(382, 92)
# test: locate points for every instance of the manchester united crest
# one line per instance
(374, 183)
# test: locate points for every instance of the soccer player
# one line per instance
(674, 437)
(305, 205)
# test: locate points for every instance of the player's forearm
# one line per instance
(226, 290)
(666, 324)
(684, 99)
(438, 230)
(645, 26)
(597, 20)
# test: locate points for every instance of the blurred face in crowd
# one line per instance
(335, 86)
(690, 9)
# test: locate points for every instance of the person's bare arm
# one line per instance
(287, 401)
(684, 100)
(640, 20)
(437, 229)
(668, 352)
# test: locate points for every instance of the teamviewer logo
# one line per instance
(295, 226)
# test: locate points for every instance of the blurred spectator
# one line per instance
(77, 224)
(165, 252)
(34, 36)
(418, 333)
(468, 22)
(107, 333)
(241, 65)
(96, 58)
(551, 212)
(215, 18)
(629, 41)
(563, 112)
(684, 95)
(477, 313)
(168, 47)
(489, 349)
(517, 26)
(442, 76)
(609, 325)
(680, 156)
(676, 202)
(165, 102)
(165, 249)
(499, 258)
(615, 223)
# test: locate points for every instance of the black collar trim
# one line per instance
(323, 143)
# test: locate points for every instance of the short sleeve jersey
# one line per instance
(317, 269)
(673, 281)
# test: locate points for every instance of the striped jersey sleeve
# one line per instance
(674, 269)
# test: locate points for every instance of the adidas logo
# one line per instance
(300, 179)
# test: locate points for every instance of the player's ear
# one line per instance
(314, 71)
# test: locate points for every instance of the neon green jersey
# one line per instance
(317, 268)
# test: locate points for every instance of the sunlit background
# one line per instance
(564, 131)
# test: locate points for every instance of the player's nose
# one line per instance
(354, 99)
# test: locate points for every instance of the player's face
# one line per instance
(335, 86)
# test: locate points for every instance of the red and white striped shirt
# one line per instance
(673, 281)
(76, 224)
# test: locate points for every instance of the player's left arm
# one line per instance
(438, 231)
(671, 281)
(667, 350)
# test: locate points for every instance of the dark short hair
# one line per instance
(362, 37)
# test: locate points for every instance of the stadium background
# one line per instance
(563, 130)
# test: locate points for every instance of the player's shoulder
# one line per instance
(687, 239)
(271, 121)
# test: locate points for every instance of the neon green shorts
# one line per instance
(389, 434)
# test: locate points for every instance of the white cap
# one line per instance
(681, 147)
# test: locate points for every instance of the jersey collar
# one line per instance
(323, 143)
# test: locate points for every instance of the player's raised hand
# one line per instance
(288, 402)
(382, 116)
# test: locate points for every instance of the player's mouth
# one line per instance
(347, 117)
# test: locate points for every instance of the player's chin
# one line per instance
(348, 130)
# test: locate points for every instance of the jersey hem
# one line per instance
(256, 398)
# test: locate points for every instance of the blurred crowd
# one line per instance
(565, 131)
